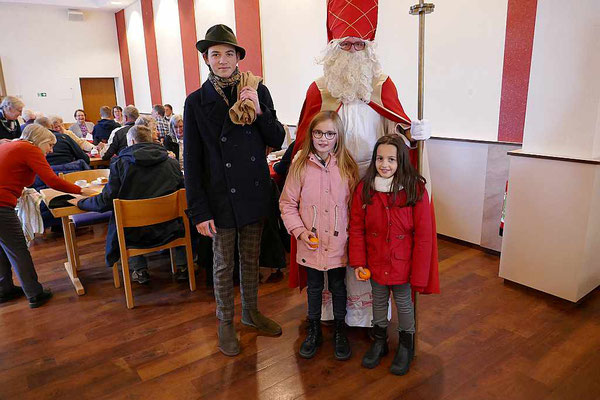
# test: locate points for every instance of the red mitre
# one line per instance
(357, 18)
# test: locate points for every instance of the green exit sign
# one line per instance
(42, 94)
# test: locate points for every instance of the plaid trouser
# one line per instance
(223, 248)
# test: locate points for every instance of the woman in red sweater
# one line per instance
(20, 161)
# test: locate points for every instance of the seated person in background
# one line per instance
(56, 124)
(10, 109)
(105, 126)
(168, 112)
(150, 122)
(65, 149)
(82, 128)
(162, 124)
(118, 139)
(118, 115)
(28, 116)
(174, 140)
(141, 171)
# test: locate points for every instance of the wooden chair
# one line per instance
(138, 213)
(89, 175)
(88, 218)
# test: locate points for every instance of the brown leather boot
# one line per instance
(228, 341)
(256, 320)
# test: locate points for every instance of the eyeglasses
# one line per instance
(329, 135)
(358, 46)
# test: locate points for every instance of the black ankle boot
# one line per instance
(378, 349)
(342, 350)
(314, 338)
(404, 354)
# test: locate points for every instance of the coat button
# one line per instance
(228, 165)
(223, 139)
(248, 131)
(255, 183)
(252, 158)
(326, 211)
(232, 190)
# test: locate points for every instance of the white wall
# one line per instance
(42, 51)
(209, 13)
(137, 57)
(563, 106)
(290, 49)
(170, 58)
(458, 173)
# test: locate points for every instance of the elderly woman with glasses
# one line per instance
(82, 128)
(20, 161)
(10, 110)
(174, 139)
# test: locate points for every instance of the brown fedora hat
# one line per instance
(220, 34)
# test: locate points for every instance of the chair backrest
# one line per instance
(89, 175)
(144, 212)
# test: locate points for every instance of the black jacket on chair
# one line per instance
(65, 151)
(141, 171)
(226, 172)
(103, 129)
(119, 141)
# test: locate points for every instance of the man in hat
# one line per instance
(354, 85)
(227, 176)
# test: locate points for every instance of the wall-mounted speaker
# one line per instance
(75, 15)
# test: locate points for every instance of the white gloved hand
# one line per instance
(420, 130)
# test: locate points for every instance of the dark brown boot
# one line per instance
(228, 341)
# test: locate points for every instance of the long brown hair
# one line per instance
(406, 176)
(346, 164)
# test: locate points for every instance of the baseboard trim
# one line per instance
(469, 244)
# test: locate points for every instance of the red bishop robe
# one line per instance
(384, 100)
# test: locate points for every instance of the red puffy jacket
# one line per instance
(393, 240)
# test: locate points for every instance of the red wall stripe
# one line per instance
(247, 29)
(187, 25)
(124, 54)
(518, 46)
(151, 52)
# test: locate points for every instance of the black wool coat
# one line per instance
(226, 173)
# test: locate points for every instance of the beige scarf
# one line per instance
(243, 112)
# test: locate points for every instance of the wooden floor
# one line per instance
(480, 339)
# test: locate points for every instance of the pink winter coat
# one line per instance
(319, 203)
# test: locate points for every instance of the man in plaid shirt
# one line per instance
(162, 124)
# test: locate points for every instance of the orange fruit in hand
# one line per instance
(314, 242)
(366, 274)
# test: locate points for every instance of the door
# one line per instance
(97, 92)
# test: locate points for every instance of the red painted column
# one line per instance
(151, 53)
(124, 54)
(187, 25)
(518, 45)
(247, 24)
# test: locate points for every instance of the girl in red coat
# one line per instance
(314, 208)
(390, 232)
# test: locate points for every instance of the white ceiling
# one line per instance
(104, 5)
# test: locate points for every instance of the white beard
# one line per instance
(349, 76)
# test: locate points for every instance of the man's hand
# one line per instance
(2, 141)
(88, 192)
(420, 130)
(359, 270)
(248, 93)
(207, 228)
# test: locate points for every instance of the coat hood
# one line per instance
(145, 154)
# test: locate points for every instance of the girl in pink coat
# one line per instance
(314, 208)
